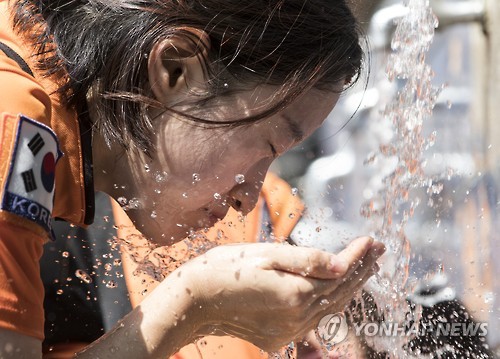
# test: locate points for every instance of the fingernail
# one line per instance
(381, 250)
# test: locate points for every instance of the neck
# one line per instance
(111, 169)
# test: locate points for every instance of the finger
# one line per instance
(307, 262)
(353, 255)
(328, 305)
(349, 289)
(359, 260)
(361, 274)
(332, 304)
(323, 265)
(368, 262)
(344, 293)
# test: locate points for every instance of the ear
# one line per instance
(176, 68)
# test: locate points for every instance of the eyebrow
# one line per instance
(294, 128)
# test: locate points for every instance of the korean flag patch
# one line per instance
(29, 187)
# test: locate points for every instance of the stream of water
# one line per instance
(400, 164)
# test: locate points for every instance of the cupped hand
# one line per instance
(271, 294)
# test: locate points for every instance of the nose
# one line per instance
(243, 197)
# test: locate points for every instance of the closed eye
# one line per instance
(273, 150)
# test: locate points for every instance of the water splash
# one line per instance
(160, 176)
(401, 161)
(196, 177)
(84, 276)
(156, 262)
(239, 178)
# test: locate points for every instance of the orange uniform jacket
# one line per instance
(36, 132)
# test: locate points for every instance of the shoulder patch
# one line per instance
(29, 151)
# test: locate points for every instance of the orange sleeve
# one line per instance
(21, 239)
(21, 288)
(21, 93)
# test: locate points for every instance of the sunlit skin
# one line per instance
(190, 183)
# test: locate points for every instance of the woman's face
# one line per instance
(197, 173)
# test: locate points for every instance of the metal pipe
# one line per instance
(454, 12)
(382, 25)
(448, 12)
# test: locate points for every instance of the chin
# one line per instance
(169, 233)
(167, 237)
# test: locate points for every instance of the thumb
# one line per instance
(314, 263)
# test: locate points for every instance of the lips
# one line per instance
(215, 214)
(218, 213)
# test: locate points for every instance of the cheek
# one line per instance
(226, 154)
(210, 161)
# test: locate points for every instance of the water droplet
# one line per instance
(108, 266)
(117, 262)
(106, 218)
(196, 177)
(59, 292)
(157, 191)
(82, 275)
(239, 178)
(160, 176)
(65, 254)
(146, 167)
(295, 191)
(185, 195)
(324, 302)
(122, 201)
(370, 159)
(153, 214)
(217, 196)
(134, 203)
(111, 284)
(318, 229)
(291, 216)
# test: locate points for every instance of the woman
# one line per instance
(187, 104)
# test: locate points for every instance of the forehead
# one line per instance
(313, 101)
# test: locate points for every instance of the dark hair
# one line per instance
(435, 345)
(101, 46)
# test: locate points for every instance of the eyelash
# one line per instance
(273, 150)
